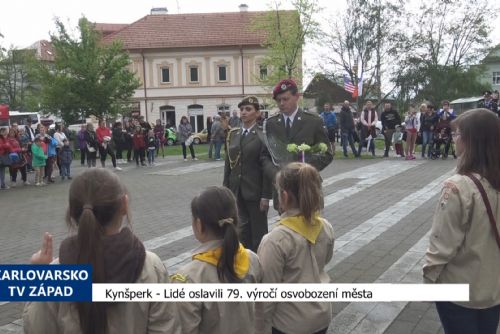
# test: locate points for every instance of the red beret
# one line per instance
(283, 86)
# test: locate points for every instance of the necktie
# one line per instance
(288, 126)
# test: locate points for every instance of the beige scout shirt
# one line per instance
(123, 318)
(287, 257)
(211, 317)
(462, 245)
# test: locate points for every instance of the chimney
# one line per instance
(243, 7)
(159, 11)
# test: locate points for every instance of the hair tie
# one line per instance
(225, 221)
(88, 207)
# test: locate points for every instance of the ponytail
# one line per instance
(93, 316)
(216, 209)
(303, 183)
(230, 245)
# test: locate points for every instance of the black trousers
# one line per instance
(253, 223)
(104, 151)
(457, 319)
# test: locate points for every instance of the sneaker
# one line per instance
(185, 159)
(62, 177)
(4, 187)
(118, 168)
(412, 157)
(38, 184)
(26, 183)
(217, 159)
(69, 177)
(194, 159)
(143, 164)
(13, 184)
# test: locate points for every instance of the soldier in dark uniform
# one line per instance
(294, 126)
(249, 173)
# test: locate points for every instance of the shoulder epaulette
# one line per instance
(179, 278)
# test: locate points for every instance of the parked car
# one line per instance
(170, 136)
(200, 137)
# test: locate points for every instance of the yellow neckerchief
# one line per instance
(298, 224)
(241, 261)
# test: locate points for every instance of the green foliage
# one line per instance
(16, 82)
(442, 50)
(286, 32)
(88, 76)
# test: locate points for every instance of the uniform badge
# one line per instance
(179, 278)
(283, 86)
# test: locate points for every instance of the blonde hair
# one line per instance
(302, 183)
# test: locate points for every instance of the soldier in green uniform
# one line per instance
(292, 125)
(249, 173)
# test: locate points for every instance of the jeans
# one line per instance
(426, 140)
(65, 169)
(459, 319)
(218, 146)
(347, 138)
(104, 151)
(388, 141)
(13, 173)
(139, 154)
(151, 155)
(2, 176)
(83, 152)
(191, 149)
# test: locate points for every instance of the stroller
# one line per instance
(441, 139)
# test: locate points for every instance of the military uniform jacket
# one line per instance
(307, 128)
(287, 257)
(212, 317)
(248, 169)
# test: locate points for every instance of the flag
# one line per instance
(348, 85)
(359, 90)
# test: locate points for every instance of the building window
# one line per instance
(165, 74)
(193, 73)
(263, 72)
(222, 73)
(496, 78)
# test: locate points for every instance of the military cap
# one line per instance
(250, 100)
(283, 86)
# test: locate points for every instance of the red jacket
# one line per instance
(139, 141)
(14, 145)
(101, 133)
(4, 146)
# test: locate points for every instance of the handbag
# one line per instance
(5, 160)
(488, 206)
(91, 149)
(189, 141)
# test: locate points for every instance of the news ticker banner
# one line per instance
(74, 283)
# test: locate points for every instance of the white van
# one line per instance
(20, 117)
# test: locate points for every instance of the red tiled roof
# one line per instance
(190, 30)
(109, 28)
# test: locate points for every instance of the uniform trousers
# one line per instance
(253, 223)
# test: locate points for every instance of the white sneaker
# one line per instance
(13, 184)
(118, 168)
(27, 183)
(185, 159)
(194, 159)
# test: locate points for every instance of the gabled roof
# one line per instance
(191, 30)
(109, 28)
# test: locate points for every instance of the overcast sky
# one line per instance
(24, 22)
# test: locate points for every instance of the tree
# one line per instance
(286, 32)
(16, 83)
(364, 39)
(443, 50)
(87, 77)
